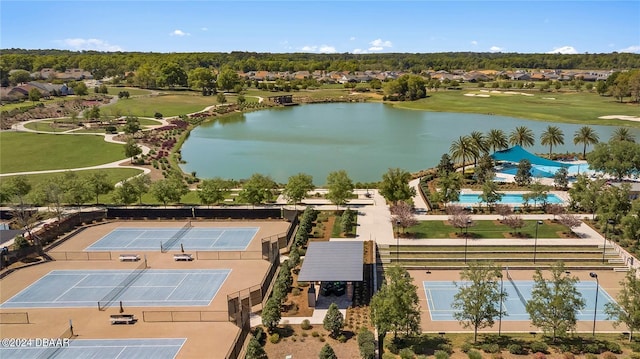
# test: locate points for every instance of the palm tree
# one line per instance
(462, 150)
(522, 136)
(587, 136)
(623, 134)
(480, 146)
(496, 139)
(552, 136)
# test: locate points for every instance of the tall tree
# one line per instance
(523, 175)
(141, 185)
(255, 350)
(626, 309)
(585, 135)
(333, 321)
(203, 79)
(271, 314)
(522, 136)
(497, 139)
(132, 125)
(169, 189)
(99, 184)
(445, 165)
(125, 193)
(395, 186)
(227, 79)
(616, 158)
(462, 150)
(340, 187)
(402, 214)
(552, 136)
(131, 149)
(490, 194)
(555, 301)
(76, 189)
(478, 300)
(622, 134)
(257, 189)
(449, 187)
(561, 178)
(394, 308)
(214, 190)
(480, 146)
(584, 193)
(297, 187)
(171, 74)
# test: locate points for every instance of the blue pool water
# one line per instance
(510, 198)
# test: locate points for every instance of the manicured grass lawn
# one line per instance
(21, 151)
(46, 125)
(483, 229)
(132, 91)
(173, 104)
(570, 107)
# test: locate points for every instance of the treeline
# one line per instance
(103, 64)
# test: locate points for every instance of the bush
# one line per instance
(474, 354)
(515, 349)
(539, 346)
(366, 343)
(465, 347)
(491, 347)
(274, 338)
(295, 291)
(614, 347)
(315, 334)
(306, 325)
(635, 347)
(445, 347)
(407, 353)
(388, 356)
(592, 348)
(342, 338)
(260, 335)
(439, 354)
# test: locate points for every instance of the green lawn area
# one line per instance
(570, 107)
(20, 152)
(170, 104)
(133, 91)
(483, 229)
(47, 125)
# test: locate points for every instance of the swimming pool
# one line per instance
(510, 198)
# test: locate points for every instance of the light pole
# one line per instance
(595, 309)
(501, 299)
(398, 242)
(604, 244)
(535, 243)
(466, 238)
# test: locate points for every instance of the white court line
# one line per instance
(71, 287)
(176, 287)
(121, 351)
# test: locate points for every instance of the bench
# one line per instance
(129, 257)
(123, 319)
(182, 257)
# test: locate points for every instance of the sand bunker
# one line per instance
(476, 95)
(621, 117)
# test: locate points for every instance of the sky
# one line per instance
(418, 26)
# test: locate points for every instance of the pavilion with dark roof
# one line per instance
(334, 261)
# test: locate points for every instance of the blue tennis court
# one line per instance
(440, 296)
(201, 239)
(150, 288)
(164, 348)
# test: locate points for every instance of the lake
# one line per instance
(365, 139)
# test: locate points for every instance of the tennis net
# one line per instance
(164, 247)
(126, 283)
(52, 346)
(524, 301)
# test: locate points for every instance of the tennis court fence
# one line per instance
(126, 283)
(80, 256)
(228, 255)
(184, 316)
(14, 318)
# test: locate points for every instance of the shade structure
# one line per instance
(516, 154)
(333, 261)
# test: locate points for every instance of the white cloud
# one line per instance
(474, 43)
(563, 50)
(496, 49)
(321, 49)
(79, 44)
(379, 45)
(633, 49)
(352, 38)
(179, 32)
(359, 51)
(204, 29)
